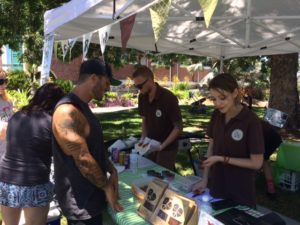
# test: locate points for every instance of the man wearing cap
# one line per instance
(161, 117)
(80, 161)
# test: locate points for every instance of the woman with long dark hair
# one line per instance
(25, 165)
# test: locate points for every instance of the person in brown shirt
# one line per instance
(161, 117)
(236, 145)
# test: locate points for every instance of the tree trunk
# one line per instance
(284, 94)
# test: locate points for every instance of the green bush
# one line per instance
(182, 86)
(181, 95)
(19, 80)
(66, 85)
(19, 98)
(111, 95)
(98, 103)
(127, 96)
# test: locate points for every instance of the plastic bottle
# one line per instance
(134, 160)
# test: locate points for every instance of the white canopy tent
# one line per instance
(79, 17)
(238, 27)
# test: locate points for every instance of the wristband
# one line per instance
(226, 159)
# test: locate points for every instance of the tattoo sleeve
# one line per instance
(70, 130)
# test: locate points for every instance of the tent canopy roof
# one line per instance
(237, 28)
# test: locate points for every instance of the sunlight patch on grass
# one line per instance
(183, 171)
(192, 129)
(113, 122)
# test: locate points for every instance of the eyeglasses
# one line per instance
(3, 81)
(140, 86)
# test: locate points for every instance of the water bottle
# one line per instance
(134, 159)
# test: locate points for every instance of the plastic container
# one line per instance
(134, 161)
(288, 156)
(286, 179)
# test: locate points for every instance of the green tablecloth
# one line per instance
(129, 216)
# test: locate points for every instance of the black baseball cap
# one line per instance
(100, 68)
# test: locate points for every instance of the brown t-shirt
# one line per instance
(239, 138)
(160, 114)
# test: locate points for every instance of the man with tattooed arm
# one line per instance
(80, 160)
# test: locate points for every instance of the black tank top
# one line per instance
(78, 198)
(26, 161)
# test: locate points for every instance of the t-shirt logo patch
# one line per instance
(237, 135)
(158, 113)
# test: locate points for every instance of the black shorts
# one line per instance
(97, 220)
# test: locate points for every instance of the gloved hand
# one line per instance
(153, 148)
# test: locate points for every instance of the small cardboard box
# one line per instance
(175, 209)
(155, 190)
(139, 187)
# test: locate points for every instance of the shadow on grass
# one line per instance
(286, 202)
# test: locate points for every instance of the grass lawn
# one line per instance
(287, 203)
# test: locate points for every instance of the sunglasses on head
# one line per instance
(3, 81)
(140, 86)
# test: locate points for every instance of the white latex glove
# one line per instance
(153, 148)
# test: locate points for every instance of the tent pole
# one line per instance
(47, 58)
(114, 9)
(222, 64)
(124, 7)
(248, 23)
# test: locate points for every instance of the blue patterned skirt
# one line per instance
(16, 196)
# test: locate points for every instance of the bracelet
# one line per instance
(226, 159)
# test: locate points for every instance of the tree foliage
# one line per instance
(253, 72)
(171, 59)
(22, 22)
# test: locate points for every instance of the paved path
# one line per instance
(100, 110)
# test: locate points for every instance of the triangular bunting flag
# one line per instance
(86, 43)
(72, 42)
(126, 28)
(208, 7)
(103, 37)
(159, 15)
(65, 47)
